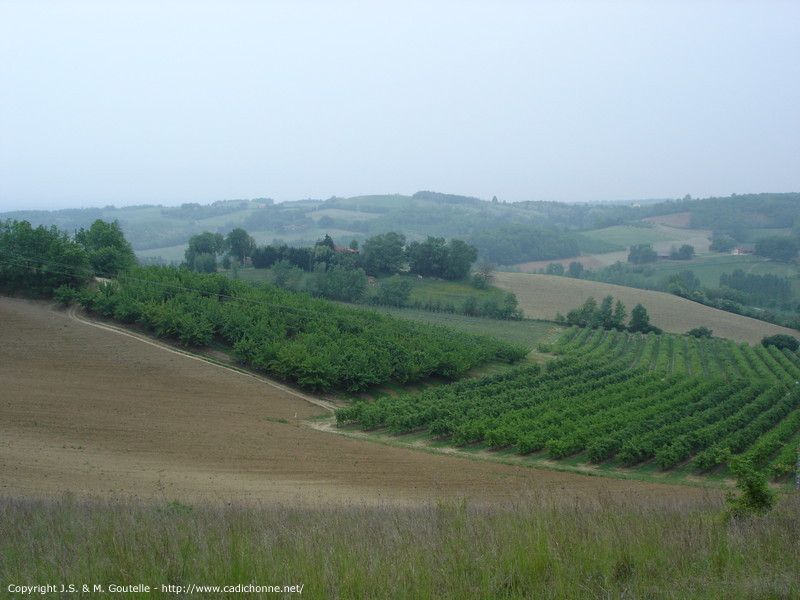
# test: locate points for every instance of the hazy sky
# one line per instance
(131, 102)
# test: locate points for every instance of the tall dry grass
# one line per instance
(534, 549)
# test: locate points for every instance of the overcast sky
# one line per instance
(164, 102)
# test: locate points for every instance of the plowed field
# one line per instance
(93, 411)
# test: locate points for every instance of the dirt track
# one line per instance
(95, 412)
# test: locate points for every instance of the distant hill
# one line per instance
(505, 233)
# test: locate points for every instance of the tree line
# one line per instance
(609, 315)
(342, 273)
(37, 261)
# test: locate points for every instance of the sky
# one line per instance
(170, 101)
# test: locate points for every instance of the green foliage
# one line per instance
(240, 244)
(513, 244)
(722, 243)
(394, 291)
(640, 321)
(606, 316)
(383, 253)
(781, 341)
(554, 269)
(436, 258)
(761, 290)
(338, 283)
(201, 247)
(778, 247)
(205, 263)
(642, 253)
(575, 269)
(756, 497)
(37, 261)
(479, 282)
(108, 251)
(685, 252)
(318, 344)
(700, 332)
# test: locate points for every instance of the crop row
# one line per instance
(683, 354)
(602, 409)
(316, 343)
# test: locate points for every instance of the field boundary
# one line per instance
(79, 315)
(326, 425)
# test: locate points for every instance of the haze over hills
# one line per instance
(160, 231)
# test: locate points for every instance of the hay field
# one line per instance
(542, 296)
(97, 412)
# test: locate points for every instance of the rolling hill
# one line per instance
(542, 296)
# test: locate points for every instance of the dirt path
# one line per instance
(92, 410)
(76, 313)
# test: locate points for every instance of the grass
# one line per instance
(455, 292)
(528, 332)
(587, 548)
(626, 235)
(708, 268)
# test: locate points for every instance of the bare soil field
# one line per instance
(542, 296)
(95, 412)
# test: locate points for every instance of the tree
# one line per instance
(470, 307)
(605, 314)
(640, 321)
(204, 243)
(585, 316)
(485, 272)
(383, 253)
(619, 316)
(240, 243)
(642, 253)
(555, 269)
(108, 250)
(338, 283)
(395, 291)
(575, 269)
(779, 247)
(38, 261)
(428, 257)
(781, 341)
(266, 256)
(286, 275)
(460, 257)
(685, 252)
(205, 263)
(700, 332)
(756, 497)
(722, 243)
(509, 309)
(327, 241)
